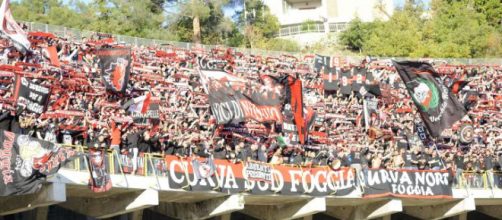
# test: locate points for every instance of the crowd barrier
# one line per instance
(154, 164)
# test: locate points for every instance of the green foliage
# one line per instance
(277, 44)
(163, 19)
(134, 18)
(308, 25)
(356, 34)
(452, 28)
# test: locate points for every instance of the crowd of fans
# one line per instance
(339, 137)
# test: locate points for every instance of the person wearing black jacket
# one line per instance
(146, 142)
(220, 150)
(9, 120)
(131, 144)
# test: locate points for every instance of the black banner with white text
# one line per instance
(407, 183)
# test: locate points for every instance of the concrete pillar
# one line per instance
(462, 216)
(137, 215)
(387, 217)
(41, 213)
(224, 217)
(202, 210)
(367, 211)
(490, 210)
(287, 211)
(50, 194)
(117, 204)
(441, 211)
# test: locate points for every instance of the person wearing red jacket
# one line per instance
(115, 136)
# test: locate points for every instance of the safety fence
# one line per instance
(302, 28)
(77, 35)
(155, 165)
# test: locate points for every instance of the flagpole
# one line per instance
(437, 152)
(365, 109)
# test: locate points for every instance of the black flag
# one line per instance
(358, 78)
(372, 85)
(437, 106)
(115, 65)
(31, 95)
(321, 61)
(330, 77)
(346, 82)
(25, 162)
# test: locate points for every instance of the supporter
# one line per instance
(186, 127)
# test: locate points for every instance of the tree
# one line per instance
(451, 28)
(202, 22)
(356, 34)
(134, 18)
(400, 36)
(260, 27)
(458, 30)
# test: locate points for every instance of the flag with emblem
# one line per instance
(115, 65)
(203, 169)
(438, 108)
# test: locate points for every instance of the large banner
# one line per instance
(257, 178)
(233, 99)
(407, 183)
(115, 65)
(31, 95)
(25, 162)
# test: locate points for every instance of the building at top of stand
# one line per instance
(321, 17)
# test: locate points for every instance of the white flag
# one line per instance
(11, 30)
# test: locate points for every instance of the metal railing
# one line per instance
(301, 28)
(479, 180)
(77, 35)
(155, 165)
(311, 28)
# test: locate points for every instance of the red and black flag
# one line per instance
(437, 106)
(115, 65)
(458, 85)
(233, 99)
(297, 109)
(25, 162)
(100, 180)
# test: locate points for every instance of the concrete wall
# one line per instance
(67, 196)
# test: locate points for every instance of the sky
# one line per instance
(400, 3)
